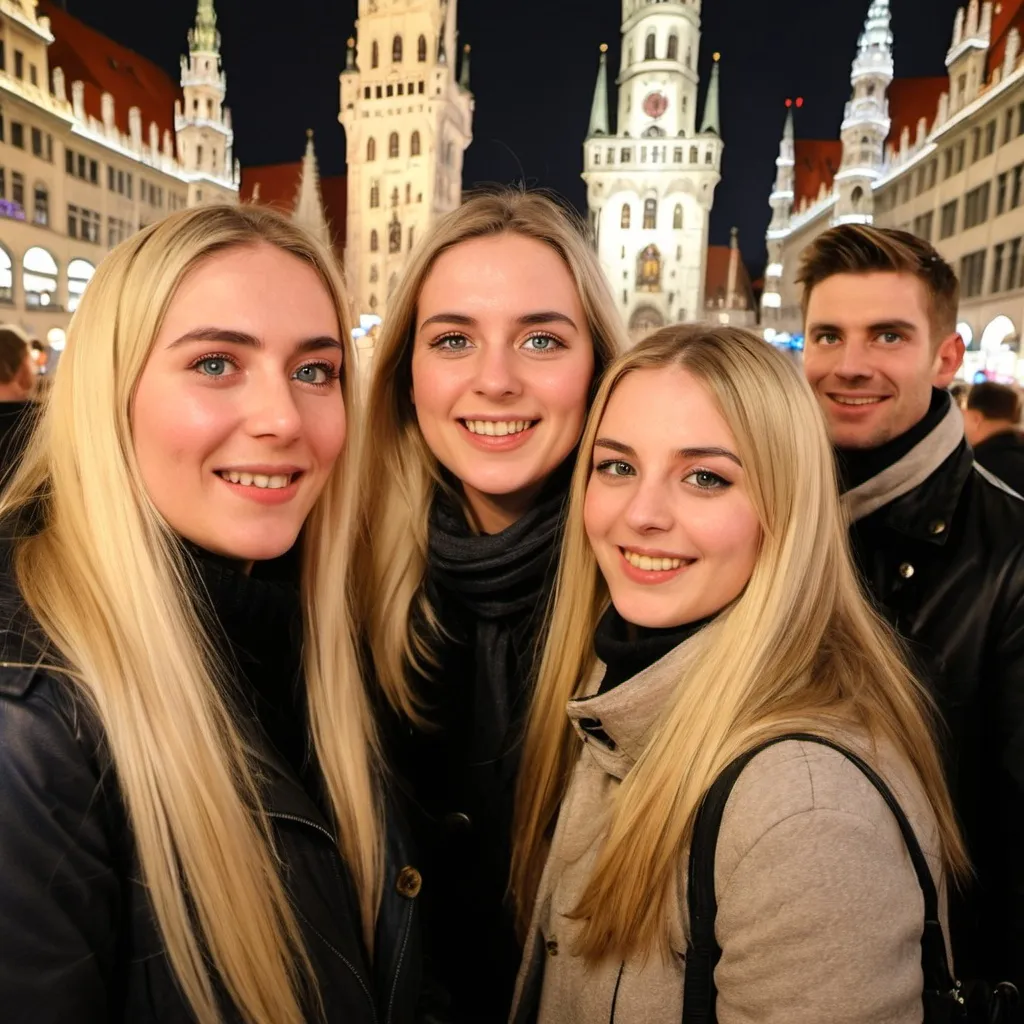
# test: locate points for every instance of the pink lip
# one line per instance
(651, 577)
(264, 469)
(487, 443)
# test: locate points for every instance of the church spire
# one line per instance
(204, 37)
(712, 120)
(442, 48)
(599, 108)
(464, 74)
(309, 210)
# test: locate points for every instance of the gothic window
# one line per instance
(371, 150)
(414, 145)
(373, 302)
(209, 109)
(374, 242)
(394, 198)
(199, 155)
(709, 157)
(374, 196)
(856, 198)
(694, 155)
(673, 47)
(677, 217)
(649, 47)
(626, 215)
(650, 214)
(374, 54)
(648, 270)
(408, 193)
(396, 50)
(394, 236)
(689, 56)
(373, 274)
(421, 50)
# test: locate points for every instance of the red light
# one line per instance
(789, 103)
(799, 101)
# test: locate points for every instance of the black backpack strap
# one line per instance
(703, 951)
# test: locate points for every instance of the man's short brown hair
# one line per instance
(863, 249)
(995, 401)
(13, 352)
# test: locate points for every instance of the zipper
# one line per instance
(302, 821)
(398, 966)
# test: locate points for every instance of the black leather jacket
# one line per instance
(78, 939)
(946, 564)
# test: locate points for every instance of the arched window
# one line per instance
(650, 214)
(414, 144)
(39, 277)
(677, 217)
(408, 193)
(694, 155)
(856, 198)
(394, 236)
(421, 50)
(394, 197)
(6, 276)
(374, 241)
(41, 209)
(673, 47)
(374, 196)
(626, 216)
(373, 274)
(373, 302)
(79, 274)
(649, 53)
(371, 150)
(374, 54)
(393, 145)
(396, 50)
(209, 109)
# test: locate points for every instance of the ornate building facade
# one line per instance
(651, 182)
(95, 143)
(941, 157)
(408, 120)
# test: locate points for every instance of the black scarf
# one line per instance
(499, 585)
(628, 650)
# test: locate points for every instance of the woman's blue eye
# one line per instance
(542, 343)
(615, 468)
(213, 366)
(452, 343)
(313, 374)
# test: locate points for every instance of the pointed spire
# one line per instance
(788, 131)
(442, 51)
(309, 210)
(204, 37)
(877, 34)
(599, 108)
(734, 269)
(464, 75)
(712, 121)
(350, 55)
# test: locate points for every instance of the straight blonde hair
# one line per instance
(401, 474)
(799, 651)
(109, 584)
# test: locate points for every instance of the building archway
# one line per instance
(645, 319)
(1000, 331)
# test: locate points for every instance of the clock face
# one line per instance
(655, 104)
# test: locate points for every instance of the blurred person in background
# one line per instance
(17, 382)
(992, 425)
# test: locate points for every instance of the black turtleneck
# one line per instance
(858, 465)
(627, 649)
(260, 614)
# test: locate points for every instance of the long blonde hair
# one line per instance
(400, 472)
(107, 580)
(799, 650)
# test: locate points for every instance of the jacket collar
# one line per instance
(281, 791)
(617, 725)
(909, 472)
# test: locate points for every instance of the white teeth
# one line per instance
(649, 564)
(846, 400)
(497, 429)
(260, 480)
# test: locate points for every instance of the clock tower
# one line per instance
(651, 183)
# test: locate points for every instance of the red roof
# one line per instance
(279, 186)
(716, 282)
(910, 99)
(1007, 15)
(105, 66)
(817, 161)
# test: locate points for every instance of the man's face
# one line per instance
(871, 358)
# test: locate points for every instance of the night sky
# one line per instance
(534, 64)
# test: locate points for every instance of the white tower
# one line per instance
(309, 206)
(203, 128)
(408, 120)
(781, 201)
(866, 124)
(651, 184)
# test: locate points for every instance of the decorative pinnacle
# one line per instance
(716, 57)
(309, 133)
(464, 74)
(204, 37)
(603, 47)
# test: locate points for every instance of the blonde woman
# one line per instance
(190, 825)
(705, 604)
(483, 376)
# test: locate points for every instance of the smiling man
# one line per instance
(939, 542)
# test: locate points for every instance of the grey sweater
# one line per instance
(819, 910)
